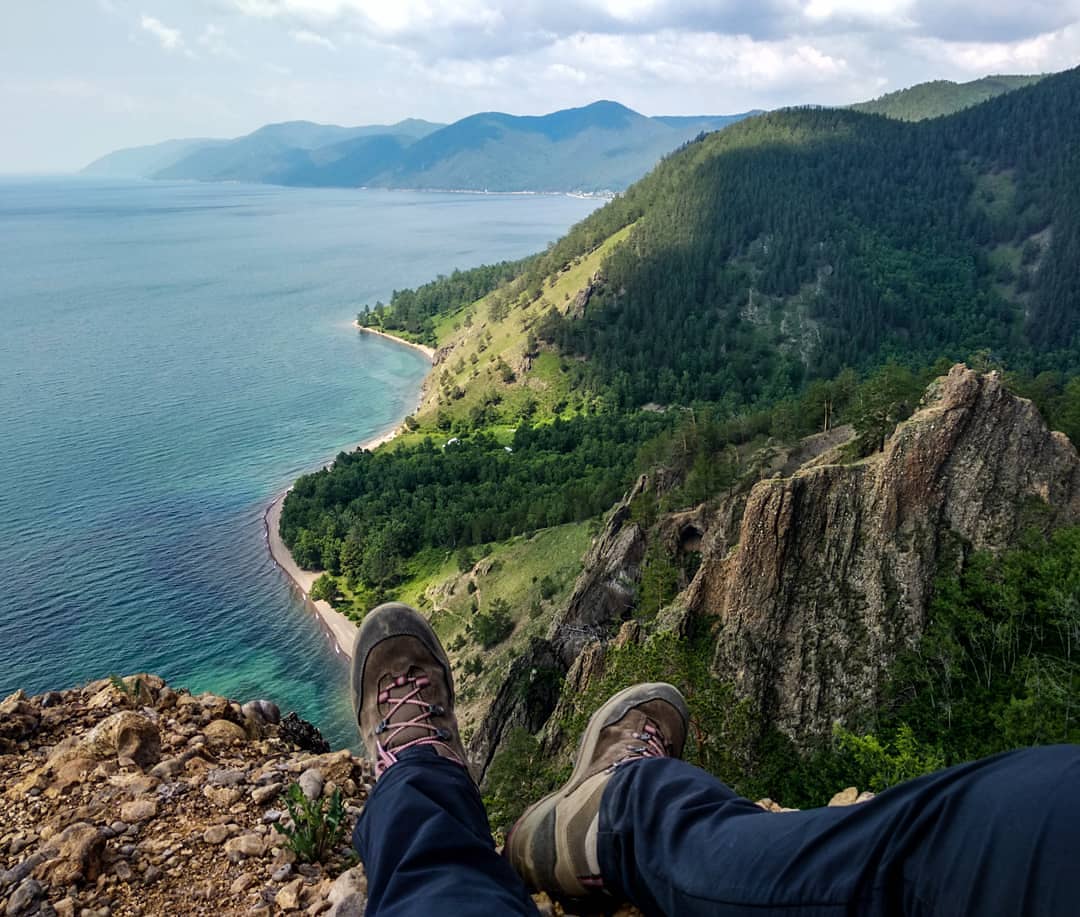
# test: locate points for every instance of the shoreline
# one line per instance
(336, 626)
(428, 352)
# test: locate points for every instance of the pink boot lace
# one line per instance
(654, 745)
(439, 737)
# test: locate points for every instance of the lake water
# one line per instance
(172, 356)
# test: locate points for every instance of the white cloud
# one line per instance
(890, 14)
(690, 59)
(170, 39)
(307, 37)
(1051, 51)
(566, 72)
(213, 40)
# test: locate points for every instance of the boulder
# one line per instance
(224, 732)
(25, 899)
(123, 735)
(262, 711)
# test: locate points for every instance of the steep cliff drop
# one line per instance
(819, 569)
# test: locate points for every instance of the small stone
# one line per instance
(20, 842)
(139, 810)
(223, 796)
(243, 882)
(169, 769)
(122, 870)
(263, 794)
(79, 850)
(152, 874)
(216, 834)
(288, 899)
(271, 816)
(65, 907)
(846, 797)
(226, 776)
(311, 782)
(246, 845)
(281, 873)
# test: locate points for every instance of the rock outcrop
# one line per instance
(525, 701)
(834, 566)
(130, 797)
(605, 591)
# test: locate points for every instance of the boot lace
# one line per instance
(385, 746)
(653, 745)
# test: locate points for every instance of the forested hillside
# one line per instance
(941, 97)
(799, 242)
(796, 243)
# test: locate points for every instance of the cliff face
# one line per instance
(604, 592)
(834, 566)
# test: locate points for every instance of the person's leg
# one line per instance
(999, 836)
(423, 836)
(426, 847)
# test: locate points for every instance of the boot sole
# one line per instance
(392, 619)
(541, 815)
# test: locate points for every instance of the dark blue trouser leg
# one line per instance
(426, 846)
(999, 836)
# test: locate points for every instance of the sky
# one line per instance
(79, 78)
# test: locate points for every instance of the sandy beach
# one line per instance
(337, 626)
(428, 352)
(340, 629)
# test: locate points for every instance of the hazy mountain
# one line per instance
(603, 146)
(274, 152)
(942, 97)
(144, 161)
(268, 151)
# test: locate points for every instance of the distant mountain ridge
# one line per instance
(942, 97)
(604, 146)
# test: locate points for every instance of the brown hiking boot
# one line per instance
(402, 689)
(553, 845)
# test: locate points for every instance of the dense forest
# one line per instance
(804, 241)
(411, 311)
(373, 510)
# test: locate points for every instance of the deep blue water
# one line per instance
(172, 356)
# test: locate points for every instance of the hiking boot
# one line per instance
(402, 689)
(553, 845)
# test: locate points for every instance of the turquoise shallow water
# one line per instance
(171, 356)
